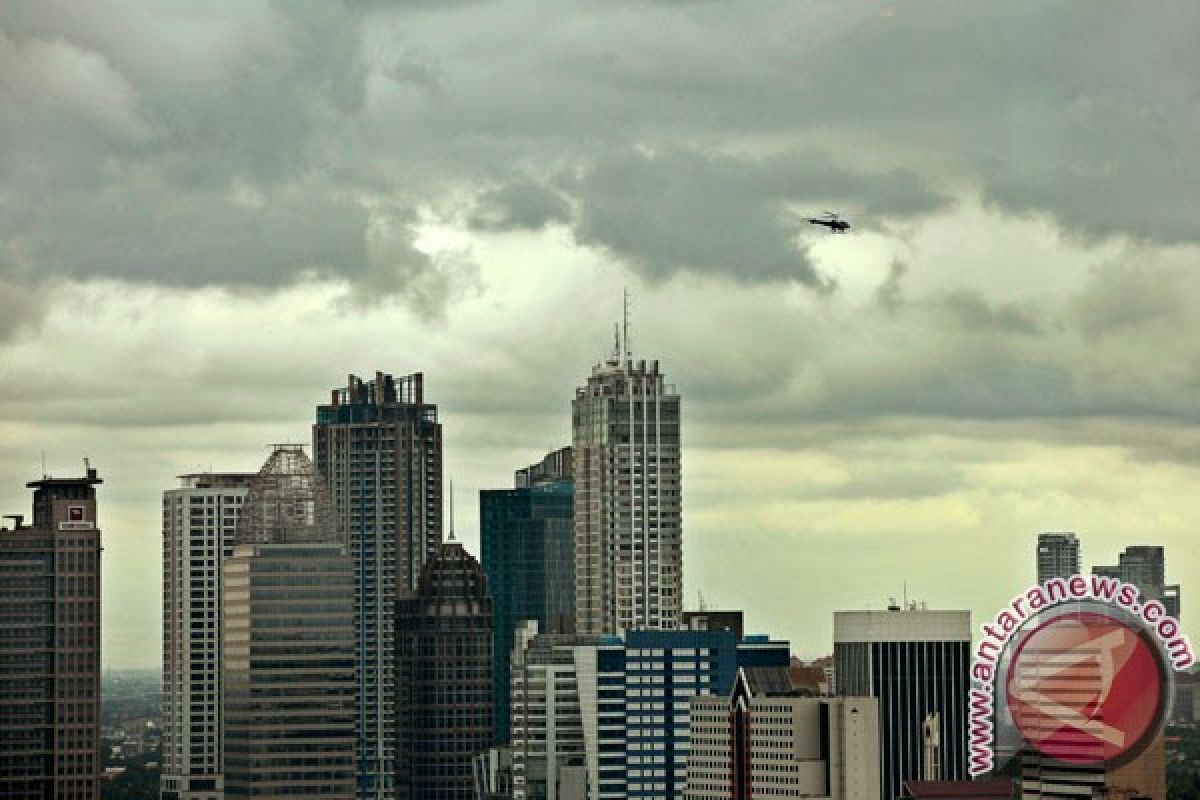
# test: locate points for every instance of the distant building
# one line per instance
(527, 545)
(199, 526)
(628, 525)
(50, 645)
(765, 740)
(1145, 567)
(378, 445)
(1057, 556)
(288, 641)
(915, 662)
(492, 772)
(444, 697)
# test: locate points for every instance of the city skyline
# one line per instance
(211, 215)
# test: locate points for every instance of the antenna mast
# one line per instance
(625, 315)
(451, 509)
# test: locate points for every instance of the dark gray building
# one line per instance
(1057, 556)
(444, 659)
(50, 645)
(527, 544)
(917, 663)
(1145, 566)
(378, 445)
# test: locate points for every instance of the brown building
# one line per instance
(50, 645)
(288, 642)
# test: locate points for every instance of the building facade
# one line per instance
(444, 711)
(1145, 566)
(378, 445)
(613, 712)
(916, 663)
(199, 525)
(50, 645)
(628, 525)
(1057, 556)
(766, 740)
(288, 641)
(527, 544)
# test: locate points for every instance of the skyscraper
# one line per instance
(378, 445)
(50, 645)
(444, 640)
(527, 543)
(916, 662)
(288, 641)
(1057, 556)
(198, 528)
(1145, 567)
(628, 527)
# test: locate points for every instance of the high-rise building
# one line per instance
(444, 640)
(527, 543)
(288, 641)
(612, 712)
(198, 527)
(765, 739)
(916, 662)
(628, 526)
(1145, 567)
(378, 445)
(50, 645)
(1057, 556)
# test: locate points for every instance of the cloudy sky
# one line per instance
(209, 215)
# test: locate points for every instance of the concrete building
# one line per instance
(1057, 556)
(50, 645)
(378, 445)
(1145, 567)
(527, 545)
(288, 641)
(444, 700)
(199, 525)
(628, 527)
(764, 740)
(916, 662)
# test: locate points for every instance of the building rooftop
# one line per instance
(999, 789)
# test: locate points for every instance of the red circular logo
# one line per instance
(1086, 688)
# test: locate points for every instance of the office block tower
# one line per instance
(527, 543)
(628, 527)
(444, 639)
(916, 662)
(1145, 566)
(198, 527)
(50, 645)
(288, 641)
(1057, 556)
(378, 445)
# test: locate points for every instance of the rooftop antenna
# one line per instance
(616, 342)
(906, 594)
(451, 510)
(625, 315)
(44, 464)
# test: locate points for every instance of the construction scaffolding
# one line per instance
(288, 503)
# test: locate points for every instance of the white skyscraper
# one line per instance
(628, 527)
(199, 522)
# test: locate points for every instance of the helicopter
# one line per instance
(832, 221)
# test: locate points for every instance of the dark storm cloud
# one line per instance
(523, 205)
(972, 310)
(681, 210)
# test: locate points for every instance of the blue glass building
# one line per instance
(527, 544)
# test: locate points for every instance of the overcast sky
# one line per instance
(210, 215)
